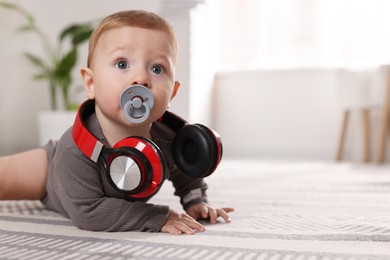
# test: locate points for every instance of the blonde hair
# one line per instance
(134, 18)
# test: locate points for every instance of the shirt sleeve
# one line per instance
(77, 187)
(191, 191)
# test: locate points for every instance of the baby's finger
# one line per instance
(183, 227)
(203, 212)
(228, 209)
(188, 216)
(194, 224)
(213, 215)
(171, 229)
(192, 214)
(222, 213)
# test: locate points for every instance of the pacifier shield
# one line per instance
(136, 102)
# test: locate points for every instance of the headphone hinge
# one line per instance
(96, 151)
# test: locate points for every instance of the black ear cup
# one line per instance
(196, 150)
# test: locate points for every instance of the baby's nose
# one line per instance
(140, 83)
(141, 79)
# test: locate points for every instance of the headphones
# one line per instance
(136, 165)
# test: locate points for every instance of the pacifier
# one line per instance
(136, 102)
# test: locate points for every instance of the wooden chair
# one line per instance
(384, 124)
(355, 96)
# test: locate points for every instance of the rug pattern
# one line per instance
(283, 210)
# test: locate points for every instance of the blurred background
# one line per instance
(264, 73)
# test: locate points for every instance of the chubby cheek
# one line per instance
(107, 87)
(161, 103)
(107, 98)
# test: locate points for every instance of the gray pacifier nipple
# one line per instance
(136, 102)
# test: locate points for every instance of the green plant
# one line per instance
(57, 65)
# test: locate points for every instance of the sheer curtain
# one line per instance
(267, 34)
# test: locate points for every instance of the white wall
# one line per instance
(274, 114)
(285, 114)
(21, 98)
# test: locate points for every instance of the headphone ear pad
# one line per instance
(196, 150)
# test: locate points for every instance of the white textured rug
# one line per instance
(284, 210)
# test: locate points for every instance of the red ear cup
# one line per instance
(197, 150)
(136, 167)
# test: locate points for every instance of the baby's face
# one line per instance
(130, 55)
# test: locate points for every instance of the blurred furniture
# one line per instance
(356, 95)
(384, 125)
(362, 91)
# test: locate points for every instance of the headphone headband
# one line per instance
(91, 146)
(173, 121)
(84, 139)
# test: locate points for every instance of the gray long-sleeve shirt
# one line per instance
(77, 188)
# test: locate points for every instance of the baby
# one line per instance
(124, 143)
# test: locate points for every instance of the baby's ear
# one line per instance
(87, 76)
(175, 89)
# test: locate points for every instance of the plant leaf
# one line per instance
(8, 5)
(29, 18)
(65, 65)
(41, 76)
(68, 31)
(35, 60)
(18, 9)
(82, 36)
(64, 81)
(26, 28)
(74, 106)
(75, 30)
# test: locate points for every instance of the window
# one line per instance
(266, 34)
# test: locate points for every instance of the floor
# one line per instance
(283, 210)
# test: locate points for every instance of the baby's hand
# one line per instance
(205, 211)
(179, 223)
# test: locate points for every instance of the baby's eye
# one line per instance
(157, 69)
(122, 65)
